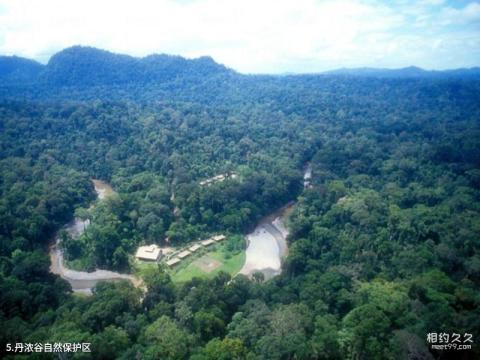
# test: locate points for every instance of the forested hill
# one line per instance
(86, 73)
(87, 66)
(407, 72)
(80, 66)
(17, 70)
(383, 247)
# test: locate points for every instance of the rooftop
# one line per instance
(207, 242)
(184, 254)
(217, 178)
(218, 237)
(194, 248)
(148, 252)
(173, 261)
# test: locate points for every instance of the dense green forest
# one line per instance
(383, 248)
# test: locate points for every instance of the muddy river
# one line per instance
(82, 281)
(267, 245)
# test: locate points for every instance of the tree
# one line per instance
(364, 333)
(325, 338)
(258, 276)
(287, 333)
(160, 288)
(110, 343)
(164, 340)
(207, 325)
(226, 349)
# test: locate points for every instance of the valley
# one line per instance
(348, 202)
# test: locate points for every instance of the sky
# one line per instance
(253, 36)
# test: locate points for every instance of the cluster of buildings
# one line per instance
(218, 178)
(154, 252)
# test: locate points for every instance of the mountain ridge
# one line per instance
(409, 71)
(86, 66)
(15, 68)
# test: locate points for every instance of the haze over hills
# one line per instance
(87, 66)
(18, 69)
(406, 72)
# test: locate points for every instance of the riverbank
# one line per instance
(267, 245)
(82, 281)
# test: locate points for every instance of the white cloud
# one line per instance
(248, 35)
(467, 15)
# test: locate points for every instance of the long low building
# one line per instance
(218, 237)
(173, 261)
(194, 248)
(148, 252)
(184, 254)
(207, 242)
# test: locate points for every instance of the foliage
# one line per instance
(383, 248)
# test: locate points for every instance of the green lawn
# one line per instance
(188, 270)
(142, 267)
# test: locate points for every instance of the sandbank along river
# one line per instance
(267, 244)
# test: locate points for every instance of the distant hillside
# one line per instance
(407, 72)
(89, 66)
(80, 66)
(14, 69)
(86, 73)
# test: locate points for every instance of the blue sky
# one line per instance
(254, 36)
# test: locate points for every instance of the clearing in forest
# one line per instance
(209, 264)
(206, 263)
